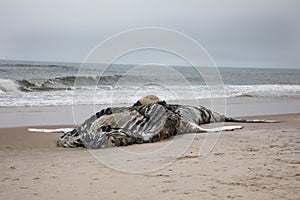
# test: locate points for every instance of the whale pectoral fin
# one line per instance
(264, 121)
(43, 130)
(224, 128)
(197, 129)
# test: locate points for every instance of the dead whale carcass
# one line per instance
(148, 120)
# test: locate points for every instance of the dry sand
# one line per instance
(261, 161)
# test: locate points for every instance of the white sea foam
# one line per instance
(263, 90)
(129, 94)
(7, 85)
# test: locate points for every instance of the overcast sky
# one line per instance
(234, 32)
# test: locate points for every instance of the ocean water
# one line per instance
(56, 84)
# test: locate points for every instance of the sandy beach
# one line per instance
(130, 72)
(260, 161)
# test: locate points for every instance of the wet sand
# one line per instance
(261, 161)
(60, 115)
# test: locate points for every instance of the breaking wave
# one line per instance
(7, 85)
(57, 84)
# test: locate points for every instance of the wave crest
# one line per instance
(66, 83)
(7, 85)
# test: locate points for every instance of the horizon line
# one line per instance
(177, 65)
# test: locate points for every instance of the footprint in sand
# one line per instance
(169, 181)
(4, 179)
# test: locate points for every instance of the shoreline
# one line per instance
(61, 115)
(260, 160)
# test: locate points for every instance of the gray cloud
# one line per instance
(234, 32)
